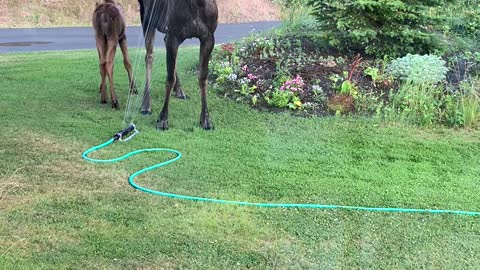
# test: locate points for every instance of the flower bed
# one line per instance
(288, 73)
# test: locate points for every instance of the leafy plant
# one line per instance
(348, 88)
(418, 69)
(373, 73)
(279, 99)
(246, 90)
(224, 72)
(318, 95)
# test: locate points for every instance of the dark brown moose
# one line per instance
(109, 25)
(178, 20)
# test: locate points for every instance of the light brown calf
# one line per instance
(109, 25)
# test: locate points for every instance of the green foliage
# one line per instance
(349, 88)
(470, 107)
(318, 94)
(417, 103)
(369, 103)
(279, 99)
(469, 104)
(293, 10)
(429, 105)
(418, 69)
(377, 27)
(373, 72)
(467, 25)
(461, 18)
(223, 71)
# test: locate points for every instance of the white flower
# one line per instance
(244, 81)
(232, 77)
(317, 88)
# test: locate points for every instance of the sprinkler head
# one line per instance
(125, 132)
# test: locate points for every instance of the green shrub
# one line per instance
(378, 27)
(461, 18)
(430, 105)
(471, 110)
(292, 10)
(418, 69)
(417, 104)
(469, 102)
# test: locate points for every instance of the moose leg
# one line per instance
(128, 65)
(102, 51)
(149, 39)
(206, 47)
(112, 47)
(178, 89)
(171, 43)
(178, 85)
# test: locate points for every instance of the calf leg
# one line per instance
(102, 51)
(149, 39)
(111, 49)
(206, 48)
(171, 43)
(128, 66)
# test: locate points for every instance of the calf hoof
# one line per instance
(133, 90)
(103, 101)
(206, 124)
(146, 112)
(181, 95)
(162, 125)
(115, 105)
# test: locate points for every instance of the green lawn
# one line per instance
(58, 211)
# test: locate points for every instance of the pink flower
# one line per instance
(251, 77)
(245, 68)
(294, 85)
(229, 47)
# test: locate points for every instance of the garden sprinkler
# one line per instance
(121, 135)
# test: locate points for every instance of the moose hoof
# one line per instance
(162, 125)
(103, 101)
(181, 95)
(115, 105)
(206, 124)
(146, 112)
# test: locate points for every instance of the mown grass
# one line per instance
(57, 211)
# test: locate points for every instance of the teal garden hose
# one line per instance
(178, 155)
